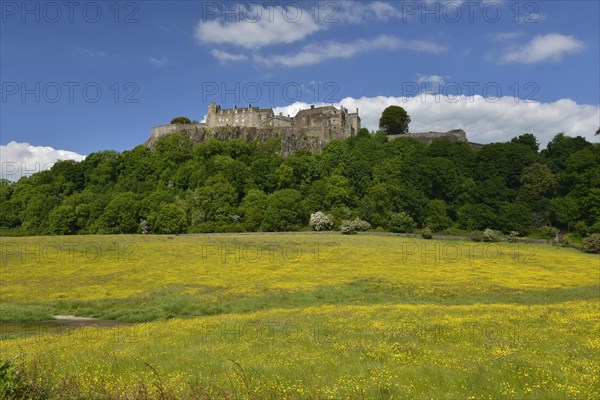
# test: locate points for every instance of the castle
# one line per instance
(326, 118)
(309, 129)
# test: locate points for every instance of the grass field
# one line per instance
(303, 316)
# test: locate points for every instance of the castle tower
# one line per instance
(211, 117)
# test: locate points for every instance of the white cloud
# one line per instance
(550, 47)
(158, 62)
(354, 12)
(224, 56)
(263, 26)
(434, 79)
(316, 53)
(24, 159)
(484, 120)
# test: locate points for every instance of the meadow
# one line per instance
(302, 316)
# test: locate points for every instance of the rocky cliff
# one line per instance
(291, 139)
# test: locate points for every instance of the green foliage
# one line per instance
(180, 120)
(215, 186)
(349, 227)
(401, 223)
(437, 218)
(394, 120)
(284, 211)
(515, 217)
(427, 233)
(548, 232)
(170, 218)
(591, 244)
(12, 385)
(62, 220)
(489, 235)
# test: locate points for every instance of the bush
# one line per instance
(489, 235)
(512, 237)
(427, 234)
(548, 232)
(477, 236)
(321, 221)
(180, 121)
(401, 223)
(356, 225)
(591, 244)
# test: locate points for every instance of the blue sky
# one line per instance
(154, 60)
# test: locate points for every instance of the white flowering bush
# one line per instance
(356, 225)
(489, 235)
(321, 221)
(144, 227)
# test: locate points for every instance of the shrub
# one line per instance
(489, 235)
(427, 234)
(360, 225)
(356, 225)
(144, 227)
(512, 237)
(591, 244)
(401, 223)
(180, 120)
(12, 382)
(477, 236)
(548, 232)
(321, 221)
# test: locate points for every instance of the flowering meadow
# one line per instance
(300, 316)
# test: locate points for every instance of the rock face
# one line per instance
(292, 139)
(454, 135)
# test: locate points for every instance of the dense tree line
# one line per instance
(236, 186)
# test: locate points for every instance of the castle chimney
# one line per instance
(312, 106)
(249, 105)
(356, 110)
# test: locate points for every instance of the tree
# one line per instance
(180, 120)
(564, 211)
(527, 139)
(62, 220)
(394, 120)
(515, 217)
(121, 215)
(253, 209)
(169, 219)
(437, 218)
(284, 211)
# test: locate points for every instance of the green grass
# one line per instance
(370, 317)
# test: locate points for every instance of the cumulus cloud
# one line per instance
(24, 159)
(550, 47)
(485, 120)
(316, 53)
(261, 26)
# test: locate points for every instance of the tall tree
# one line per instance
(394, 120)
